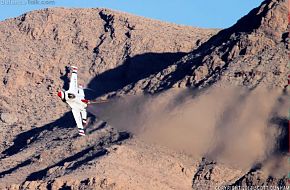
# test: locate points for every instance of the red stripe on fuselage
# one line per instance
(85, 101)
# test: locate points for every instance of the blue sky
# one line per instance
(200, 13)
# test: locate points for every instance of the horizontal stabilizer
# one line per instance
(97, 101)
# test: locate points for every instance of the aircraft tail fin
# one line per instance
(74, 69)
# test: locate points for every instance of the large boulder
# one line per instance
(8, 118)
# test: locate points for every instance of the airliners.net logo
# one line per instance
(27, 2)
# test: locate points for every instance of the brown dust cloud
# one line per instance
(231, 125)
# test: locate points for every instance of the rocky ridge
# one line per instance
(253, 51)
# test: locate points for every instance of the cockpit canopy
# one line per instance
(71, 96)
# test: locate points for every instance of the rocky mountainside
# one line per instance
(37, 47)
(36, 50)
(253, 51)
(121, 54)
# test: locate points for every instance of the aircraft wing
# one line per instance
(73, 85)
(78, 119)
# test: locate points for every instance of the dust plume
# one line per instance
(231, 125)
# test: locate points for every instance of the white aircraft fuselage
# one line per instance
(75, 98)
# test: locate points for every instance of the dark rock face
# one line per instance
(255, 178)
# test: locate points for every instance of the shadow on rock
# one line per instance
(22, 164)
(131, 71)
(282, 144)
(65, 78)
(82, 154)
(22, 140)
(82, 157)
